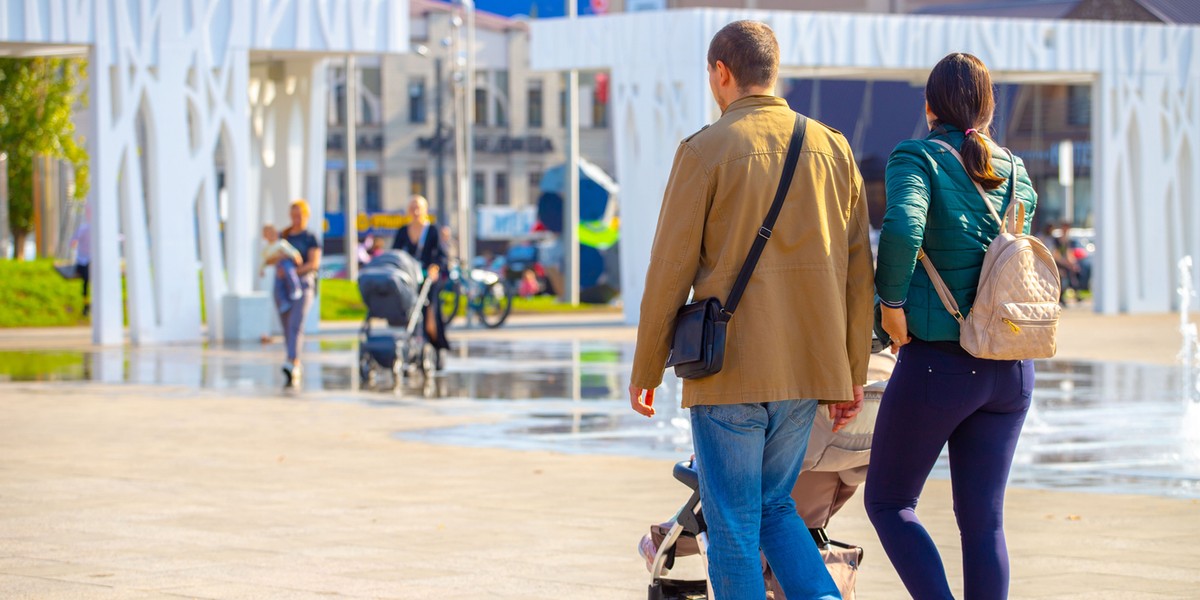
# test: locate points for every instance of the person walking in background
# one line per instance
(81, 241)
(802, 335)
(423, 241)
(939, 393)
(1068, 265)
(292, 313)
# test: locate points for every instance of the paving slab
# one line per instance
(113, 492)
(148, 489)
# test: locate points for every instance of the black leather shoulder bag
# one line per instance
(698, 348)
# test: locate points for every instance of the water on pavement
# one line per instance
(1112, 427)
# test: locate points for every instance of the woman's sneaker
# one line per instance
(289, 375)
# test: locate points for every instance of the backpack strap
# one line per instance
(1014, 211)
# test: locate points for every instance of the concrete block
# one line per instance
(248, 316)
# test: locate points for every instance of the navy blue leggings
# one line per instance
(976, 405)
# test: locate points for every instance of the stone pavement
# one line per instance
(126, 491)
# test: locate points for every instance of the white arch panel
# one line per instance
(1144, 73)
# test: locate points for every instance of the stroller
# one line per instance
(389, 289)
(834, 466)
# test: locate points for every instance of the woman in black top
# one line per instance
(422, 241)
(292, 319)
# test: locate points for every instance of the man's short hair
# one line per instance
(749, 50)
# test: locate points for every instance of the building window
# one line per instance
(500, 96)
(1079, 105)
(591, 101)
(479, 189)
(600, 100)
(562, 104)
(417, 112)
(335, 191)
(337, 93)
(370, 106)
(534, 102)
(502, 188)
(481, 107)
(417, 182)
(370, 91)
(535, 187)
(372, 199)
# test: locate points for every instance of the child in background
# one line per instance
(529, 284)
(289, 257)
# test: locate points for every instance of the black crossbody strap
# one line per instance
(764, 232)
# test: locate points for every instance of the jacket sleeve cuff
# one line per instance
(890, 304)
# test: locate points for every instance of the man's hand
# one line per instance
(642, 406)
(433, 271)
(895, 323)
(843, 412)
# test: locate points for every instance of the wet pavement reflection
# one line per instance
(1111, 427)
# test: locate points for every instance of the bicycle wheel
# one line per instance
(495, 304)
(450, 301)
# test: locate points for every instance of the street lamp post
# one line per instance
(439, 143)
(438, 146)
(467, 235)
(570, 230)
(351, 210)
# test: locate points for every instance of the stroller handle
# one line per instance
(687, 475)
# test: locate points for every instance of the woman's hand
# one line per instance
(895, 323)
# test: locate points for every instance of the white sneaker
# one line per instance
(291, 375)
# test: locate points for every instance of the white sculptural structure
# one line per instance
(1145, 129)
(177, 74)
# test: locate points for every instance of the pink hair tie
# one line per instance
(970, 131)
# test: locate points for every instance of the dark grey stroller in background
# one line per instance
(393, 292)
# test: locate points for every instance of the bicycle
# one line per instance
(486, 294)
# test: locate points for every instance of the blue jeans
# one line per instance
(749, 456)
(292, 314)
(286, 287)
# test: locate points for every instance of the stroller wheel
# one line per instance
(365, 372)
(429, 359)
(397, 373)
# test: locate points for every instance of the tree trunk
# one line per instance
(19, 244)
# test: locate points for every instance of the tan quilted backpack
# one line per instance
(1016, 310)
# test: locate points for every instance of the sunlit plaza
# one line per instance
(151, 448)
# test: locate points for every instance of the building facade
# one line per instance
(519, 118)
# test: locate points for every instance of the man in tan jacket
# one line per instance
(802, 332)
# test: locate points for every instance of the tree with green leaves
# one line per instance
(37, 100)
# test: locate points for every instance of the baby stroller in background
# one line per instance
(389, 289)
(835, 464)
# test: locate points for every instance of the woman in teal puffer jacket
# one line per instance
(939, 393)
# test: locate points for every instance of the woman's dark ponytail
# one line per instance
(959, 93)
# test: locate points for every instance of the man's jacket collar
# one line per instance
(751, 102)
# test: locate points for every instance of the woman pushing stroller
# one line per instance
(423, 241)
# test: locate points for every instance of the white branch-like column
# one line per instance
(169, 87)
